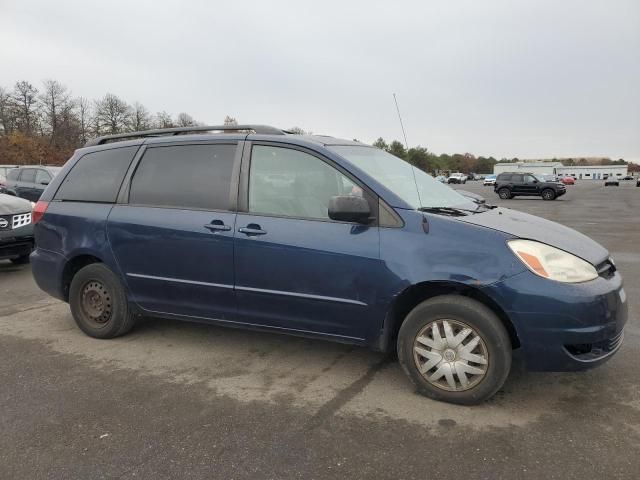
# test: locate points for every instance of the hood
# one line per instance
(10, 205)
(530, 227)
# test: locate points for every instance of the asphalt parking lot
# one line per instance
(177, 400)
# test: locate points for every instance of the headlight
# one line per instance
(552, 263)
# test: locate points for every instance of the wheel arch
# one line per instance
(72, 267)
(415, 294)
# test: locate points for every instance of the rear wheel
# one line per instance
(504, 193)
(98, 302)
(548, 194)
(454, 349)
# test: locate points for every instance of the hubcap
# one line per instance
(451, 355)
(96, 302)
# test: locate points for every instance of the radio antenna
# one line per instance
(401, 125)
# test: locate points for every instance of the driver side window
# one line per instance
(529, 179)
(291, 183)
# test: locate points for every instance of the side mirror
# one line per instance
(44, 182)
(349, 208)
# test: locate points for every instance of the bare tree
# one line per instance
(230, 121)
(163, 120)
(54, 101)
(185, 120)
(140, 118)
(25, 104)
(83, 114)
(112, 113)
(7, 112)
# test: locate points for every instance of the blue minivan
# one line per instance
(252, 227)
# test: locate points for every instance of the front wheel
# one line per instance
(504, 193)
(98, 302)
(548, 194)
(454, 349)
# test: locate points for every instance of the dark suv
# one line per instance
(509, 185)
(326, 238)
(29, 181)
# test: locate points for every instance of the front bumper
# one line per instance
(17, 242)
(564, 327)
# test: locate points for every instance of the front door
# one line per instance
(173, 240)
(296, 269)
(530, 186)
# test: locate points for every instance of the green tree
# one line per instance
(421, 158)
(396, 148)
(381, 144)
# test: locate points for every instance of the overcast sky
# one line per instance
(525, 78)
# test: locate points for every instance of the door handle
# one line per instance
(252, 229)
(217, 226)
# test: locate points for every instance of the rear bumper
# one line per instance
(564, 327)
(47, 268)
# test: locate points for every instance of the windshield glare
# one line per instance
(417, 188)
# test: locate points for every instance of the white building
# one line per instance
(543, 168)
(581, 172)
(593, 172)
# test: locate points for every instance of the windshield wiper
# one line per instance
(453, 211)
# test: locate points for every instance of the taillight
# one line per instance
(38, 211)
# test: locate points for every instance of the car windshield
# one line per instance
(417, 188)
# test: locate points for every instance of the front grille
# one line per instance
(11, 222)
(606, 269)
(21, 220)
(5, 222)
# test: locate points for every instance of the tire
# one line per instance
(98, 302)
(548, 194)
(504, 193)
(493, 346)
(21, 260)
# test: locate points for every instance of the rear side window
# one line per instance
(42, 176)
(184, 176)
(97, 176)
(13, 174)
(28, 175)
(504, 177)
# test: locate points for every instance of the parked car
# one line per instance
(568, 180)
(638, 182)
(548, 178)
(4, 169)
(457, 178)
(16, 230)
(475, 176)
(30, 181)
(489, 180)
(358, 246)
(611, 182)
(441, 179)
(513, 184)
(627, 177)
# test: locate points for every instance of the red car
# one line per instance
(568, 180)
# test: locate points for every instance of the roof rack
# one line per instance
(261, 129)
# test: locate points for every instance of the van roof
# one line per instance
(245, 131)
